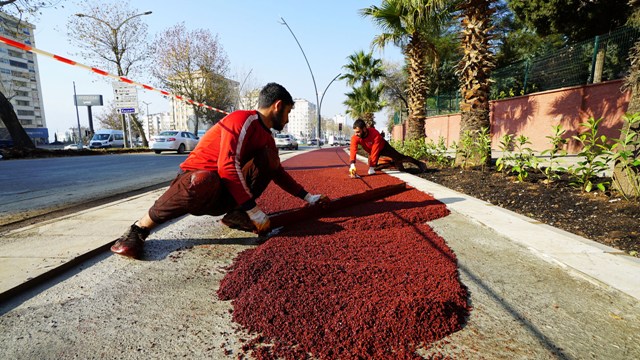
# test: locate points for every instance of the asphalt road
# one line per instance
(38, 186)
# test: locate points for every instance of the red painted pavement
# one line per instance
(370, 281)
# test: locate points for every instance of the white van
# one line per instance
(107, 139)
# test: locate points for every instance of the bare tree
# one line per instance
(110, 118)
(247, 91)
(114, 38)
(22, 10)
(25, 9)
(193, 64)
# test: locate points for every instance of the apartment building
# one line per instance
(153, 124)
(182, 114)
(20, 80)
(303, 120)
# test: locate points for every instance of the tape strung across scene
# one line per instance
(29, 48)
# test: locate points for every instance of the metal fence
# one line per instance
(602, 58)
(605, 57)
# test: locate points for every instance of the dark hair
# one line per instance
(359, 124)
(271, 93)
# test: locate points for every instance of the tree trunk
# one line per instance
(417, 88)
(627, 182)
(474, 71)
(599, 66)
(140, 129)
(21, 139)
(369, 119)
(472, 122)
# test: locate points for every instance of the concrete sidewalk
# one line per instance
(35, 253)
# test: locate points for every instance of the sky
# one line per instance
(251, 35)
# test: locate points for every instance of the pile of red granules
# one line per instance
(366, 282)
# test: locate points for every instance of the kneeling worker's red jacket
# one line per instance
(229, 145)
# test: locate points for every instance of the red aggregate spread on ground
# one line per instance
(371, 281)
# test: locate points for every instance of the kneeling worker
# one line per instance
(228, 170)
(374, 144)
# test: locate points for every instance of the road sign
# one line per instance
(126, 97)
(128, 111)
(89, 100)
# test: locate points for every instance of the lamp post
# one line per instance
(324, 92)
(318, 101)
(148, 117)
(117, 51)
(240, 102)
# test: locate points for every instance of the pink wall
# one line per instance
(534, 115)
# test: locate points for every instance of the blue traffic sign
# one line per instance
(127, 111)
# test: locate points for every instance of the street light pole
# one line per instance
(324, 92)
(312, 77)
(116, 47)
(240, 102)
(148, 117)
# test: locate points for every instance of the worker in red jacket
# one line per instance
(230, 167)
(374, 144)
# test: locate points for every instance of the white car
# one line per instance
(173, 140)
(75, 147)
(286, 141)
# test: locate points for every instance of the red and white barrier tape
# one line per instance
(25, 47)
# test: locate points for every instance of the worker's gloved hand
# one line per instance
(260, 220)
(316, 199)
(352, 170)
(372, 170)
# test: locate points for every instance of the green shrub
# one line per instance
(596, 157)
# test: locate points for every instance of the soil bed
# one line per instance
(604, 218)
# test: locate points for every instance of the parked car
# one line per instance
(74, 147)
(337, 141)
(286, 141)
(107, 139)
(173, 140)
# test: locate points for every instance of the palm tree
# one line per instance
(362, 68)
(364, 101)
(365, 70)
(627, 180)
(409, 24)
(474, 71)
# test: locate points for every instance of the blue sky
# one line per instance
(251, 35)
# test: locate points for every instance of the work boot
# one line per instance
(131, 243)
(238, 219)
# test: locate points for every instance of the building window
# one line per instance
(15, 53)
(18, 64)
(25, 112)
(22, 103)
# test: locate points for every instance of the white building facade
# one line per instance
(302, 120)
(20, 80)
(153, 124)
